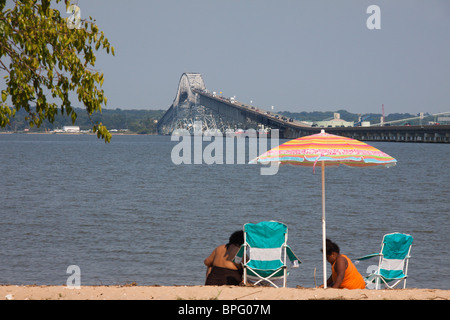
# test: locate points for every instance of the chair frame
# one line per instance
(269, 279)
(261, 278)
(377, 274)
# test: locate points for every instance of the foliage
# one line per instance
(144, 121)
(45, 61)
(345, 115)
(136, 121)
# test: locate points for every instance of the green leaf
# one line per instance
(44, 55)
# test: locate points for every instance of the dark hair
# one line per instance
(332, 247)
(237, 238)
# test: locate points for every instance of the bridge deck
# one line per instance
(290, 128)
(192, 94)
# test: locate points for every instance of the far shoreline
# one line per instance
(82, 133)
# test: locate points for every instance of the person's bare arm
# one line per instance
(209, 261)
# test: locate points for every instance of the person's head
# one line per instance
(237, 238)
(332, 251)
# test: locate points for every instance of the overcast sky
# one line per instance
(295, 55)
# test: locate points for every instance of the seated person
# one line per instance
(344, 274)
(221, 268)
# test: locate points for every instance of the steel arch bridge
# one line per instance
(193, 103)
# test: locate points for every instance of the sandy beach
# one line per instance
(130, 292)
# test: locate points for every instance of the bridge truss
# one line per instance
(191, 105)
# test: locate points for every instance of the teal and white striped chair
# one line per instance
(393, 260)
(264, 253)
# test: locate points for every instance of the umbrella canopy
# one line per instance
(328, 150)
(332, 149)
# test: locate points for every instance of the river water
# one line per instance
(124, 212)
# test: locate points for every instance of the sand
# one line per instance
(134, 292)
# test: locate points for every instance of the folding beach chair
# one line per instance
(393, 260)
(264, 253)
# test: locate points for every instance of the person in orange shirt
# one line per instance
(344, 274)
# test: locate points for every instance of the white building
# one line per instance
(71, 129)
(335, 122)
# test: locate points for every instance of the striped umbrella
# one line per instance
(328, 150)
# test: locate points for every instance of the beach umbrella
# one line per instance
(327, 150)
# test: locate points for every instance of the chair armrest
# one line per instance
(295, 261)
(369, 256)
(238, 258)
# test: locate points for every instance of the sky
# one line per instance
(291, 54)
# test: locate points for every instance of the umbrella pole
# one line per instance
(324, 249)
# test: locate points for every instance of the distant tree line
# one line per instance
(345, 115)
(136, 121)
(145, 121)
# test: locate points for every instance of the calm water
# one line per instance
(124, 212)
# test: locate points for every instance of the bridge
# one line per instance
(194, 103)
